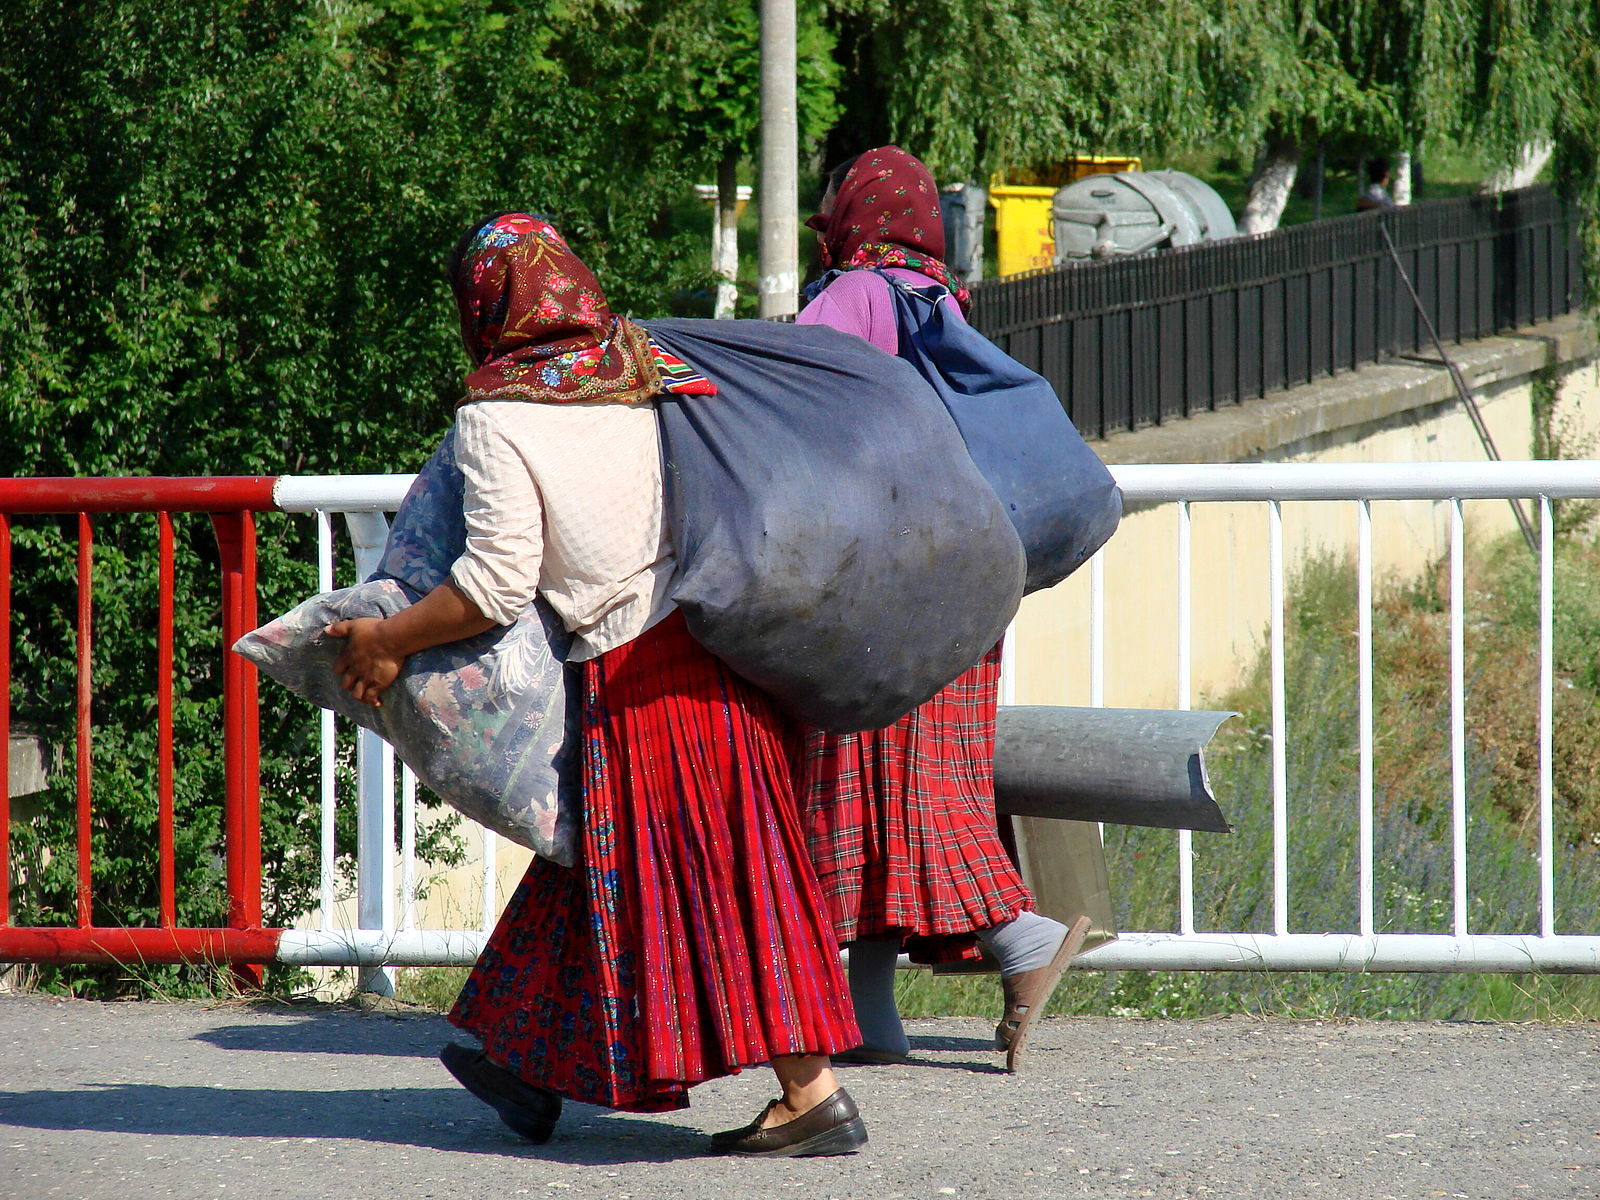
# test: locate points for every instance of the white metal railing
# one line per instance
(381, 939)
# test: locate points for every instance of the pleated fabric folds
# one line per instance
(901, 824)
(692, 940)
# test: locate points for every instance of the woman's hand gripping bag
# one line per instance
(489, 723)
(835, 543)
(1059, 495)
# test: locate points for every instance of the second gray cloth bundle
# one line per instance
(836, 544)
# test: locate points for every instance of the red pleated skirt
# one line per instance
(692, 940)
(901, 824)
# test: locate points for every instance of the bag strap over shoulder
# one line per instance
(933, 291)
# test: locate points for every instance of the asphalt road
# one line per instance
(130, 1101)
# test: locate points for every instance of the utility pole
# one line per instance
(778, 191)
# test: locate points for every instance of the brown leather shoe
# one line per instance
(528, 1111)
(1027, 992)
(831, 1127)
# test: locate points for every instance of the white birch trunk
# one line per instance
(1276, 168)
(725, 237)
(1532, 161)
(1400, 178)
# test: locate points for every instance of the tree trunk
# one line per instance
(1531, 162)
(1400, 178)
(1276, 167)
(1322, 181)
(725, 234)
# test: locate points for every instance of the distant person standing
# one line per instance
(1376, 193)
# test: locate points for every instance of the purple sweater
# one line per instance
(858, 302)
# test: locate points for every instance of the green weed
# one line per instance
(430, 987)
(1412, 811)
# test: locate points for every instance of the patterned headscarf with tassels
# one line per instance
(537, 325)
(886, 214)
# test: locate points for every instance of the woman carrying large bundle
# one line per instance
(901, 820)
(691, 940)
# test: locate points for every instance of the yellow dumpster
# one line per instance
(1021, 200)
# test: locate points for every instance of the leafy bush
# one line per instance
(220, 230)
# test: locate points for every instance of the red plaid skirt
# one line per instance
(691, 941)
(901, 824)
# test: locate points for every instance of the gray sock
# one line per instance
(1024, 943)
(872, 965)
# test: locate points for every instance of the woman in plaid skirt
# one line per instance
(690, 941)
(901, 820)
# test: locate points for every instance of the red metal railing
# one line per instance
(5, 719)
(231, 504)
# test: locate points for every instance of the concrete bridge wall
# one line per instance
(1400, 412)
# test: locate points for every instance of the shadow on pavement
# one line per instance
(434, 1118)
(422, 1036)
(335, 1032)
(984, 1046)
(966, 1067)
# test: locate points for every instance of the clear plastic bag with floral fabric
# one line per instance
(488, 723)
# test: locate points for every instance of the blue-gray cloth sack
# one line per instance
(488, 723)
(1057, 492)
(835, 543)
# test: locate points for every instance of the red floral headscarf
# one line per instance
(537, 325)
(886, 214)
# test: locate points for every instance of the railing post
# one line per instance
(165, 574)
(328, 808)
(1547, 717)
(1458, 720)
(5, 719)
(1185, 689)
(1364, 790)
(85, 715)
(1280, 768)
(236, 542)
(374, 788)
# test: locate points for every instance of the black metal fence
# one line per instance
(1139, 341)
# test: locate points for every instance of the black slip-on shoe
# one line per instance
(720, 1142)
(831, 1127)
(528, 1111)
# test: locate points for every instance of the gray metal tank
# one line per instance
(1109, 216)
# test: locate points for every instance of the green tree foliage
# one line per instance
(220, 230)
(707, 60)
(979, 87)
(206, 274)
(1369, 77)
(1536, 82)
(1576, 135)
(1307, 72)
(975, 88)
